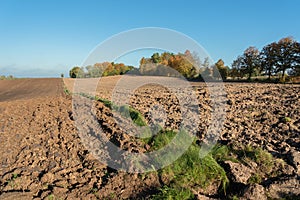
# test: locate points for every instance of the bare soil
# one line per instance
(42, 155)
(21, 89)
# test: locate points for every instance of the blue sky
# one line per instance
(46, 38)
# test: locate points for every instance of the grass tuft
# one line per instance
(263, 158)
(160, 140)
(125, 110)
(189, 170)
(173, 192)
(67, 91)
(256, 178)
(135, 115)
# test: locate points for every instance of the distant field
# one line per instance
(30, 88)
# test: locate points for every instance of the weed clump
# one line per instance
(173, 192)
(189, 172)
(125, 110)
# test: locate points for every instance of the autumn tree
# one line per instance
(143, 61)
(233, 73)
(288, 55)
(165, 56)
(182, 65)
(206, 74)
(189, 57)
(220, 71)
(158, 64)
(249, 62)
(281, 57)
(268, 56)
(197, 63)
(236, 68)
(76, 72)
(100, 69)
(148, 69)
(156, 58)
(93, 71)
(206, 63)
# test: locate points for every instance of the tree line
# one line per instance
(278, 58)
(186, 64)
(9, 77)
(100, 69)
(169, 64)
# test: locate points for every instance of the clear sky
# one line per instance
(46, 38)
